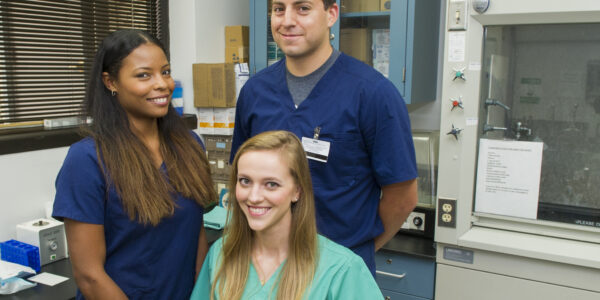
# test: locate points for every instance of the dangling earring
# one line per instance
(113, 93)
(331, 36)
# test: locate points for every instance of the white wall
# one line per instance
(197, 29)
(197, 35)
(26, 184)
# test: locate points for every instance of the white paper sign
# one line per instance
(456, 46)
(48, 279)
(508, 178)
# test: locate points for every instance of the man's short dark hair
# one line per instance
(328, 3)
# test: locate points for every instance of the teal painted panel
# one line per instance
(398, 33)
(422, 50)
(335, 30)
(258, 35)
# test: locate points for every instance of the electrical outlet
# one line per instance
(457, 15)
(447, 212)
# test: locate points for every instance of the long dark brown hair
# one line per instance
(147, 194)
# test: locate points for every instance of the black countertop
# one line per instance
(68, 289)
(411, 245)
(64, 290)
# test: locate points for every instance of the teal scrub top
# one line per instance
(340, 274)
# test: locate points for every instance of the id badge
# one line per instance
(316, 149)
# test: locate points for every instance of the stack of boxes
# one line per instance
(356, 42)
(216, 89)
(218, 149)
(236, 44)
(217, 86)
(371, 46)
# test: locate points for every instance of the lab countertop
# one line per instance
(411, 245)
(401, 243)
(68, 289)
(64, 290)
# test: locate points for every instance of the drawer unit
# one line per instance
(389, 295)
(405, 274)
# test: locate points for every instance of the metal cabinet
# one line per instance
(413, 41)
(402, 276)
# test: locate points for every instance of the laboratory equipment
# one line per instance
(48, 235)
(519, 172)
(421, 221)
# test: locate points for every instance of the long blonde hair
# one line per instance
(299, 269)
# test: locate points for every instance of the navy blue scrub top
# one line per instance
(145, 261)
(363, 116)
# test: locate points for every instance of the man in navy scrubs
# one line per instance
(352, 121)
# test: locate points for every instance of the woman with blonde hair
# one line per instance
(270, 248)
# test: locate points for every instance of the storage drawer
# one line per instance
(405, 274)
(389, 295)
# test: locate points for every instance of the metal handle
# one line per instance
(488, 127)
(390, 274)
(489, 102)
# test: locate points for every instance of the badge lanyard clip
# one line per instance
(317, 132)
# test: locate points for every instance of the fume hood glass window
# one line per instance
(540, 91)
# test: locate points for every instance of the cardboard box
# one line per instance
(356, 42)
(359, 5)
(214, 85)
(224, 120)
(206, 121)
(218, 85)
(237, 36)
(236, 55)
(385, 5)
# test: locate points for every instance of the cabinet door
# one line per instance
(421, 49)
(398, 58)
(397, 37)
(258, 35)
(390, 295)
(375, 34)
(405, 274)
(263, 50)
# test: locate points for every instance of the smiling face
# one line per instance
(144, 85)
(265, 191)
(301, 27)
